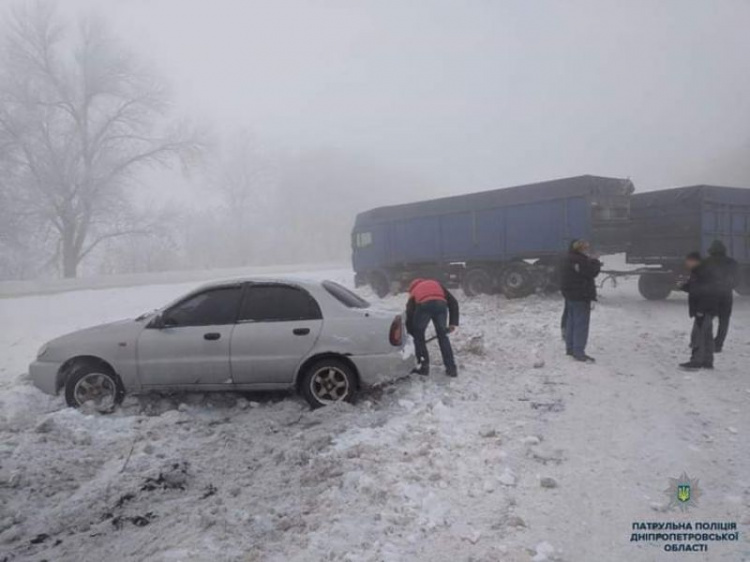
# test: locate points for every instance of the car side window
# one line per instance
(278, 303)
(213, 307)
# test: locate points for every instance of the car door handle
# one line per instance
(211, 336)
(301, 331)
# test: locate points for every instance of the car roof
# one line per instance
(287, 279)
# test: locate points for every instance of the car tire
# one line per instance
(328, 381)
(96, 381)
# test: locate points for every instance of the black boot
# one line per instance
(423, 370)
(584, 358)
(451, 372)
(691, 366)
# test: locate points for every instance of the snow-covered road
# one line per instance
(526, 456)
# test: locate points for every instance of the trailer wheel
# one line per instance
(655, 287)
(476, 282)
(380, 283)
(517, 281)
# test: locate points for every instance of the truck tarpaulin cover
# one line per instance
(693, 196)
(669, 223)
(531, 193)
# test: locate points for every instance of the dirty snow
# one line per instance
(525, 457)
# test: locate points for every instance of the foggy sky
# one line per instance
(468, 94)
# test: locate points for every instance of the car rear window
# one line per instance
(346, 297)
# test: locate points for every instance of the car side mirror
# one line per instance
(167, 321)
(157, 322)
(162, 321)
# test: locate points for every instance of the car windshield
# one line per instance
(346, 297)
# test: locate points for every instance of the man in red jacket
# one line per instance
(429, 301)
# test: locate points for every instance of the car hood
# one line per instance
(122, 330)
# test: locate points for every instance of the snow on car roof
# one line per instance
(297, 280)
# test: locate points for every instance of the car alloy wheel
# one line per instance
(98, 389)
(329, 384)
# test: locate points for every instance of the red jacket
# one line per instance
(423, 290)
(427, 290)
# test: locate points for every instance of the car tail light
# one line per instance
(396, 333)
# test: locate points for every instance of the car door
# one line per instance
(277, 327)
(190, 343)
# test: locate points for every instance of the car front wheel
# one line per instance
(94, 386)
(328, 381)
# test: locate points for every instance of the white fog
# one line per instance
(265, 297)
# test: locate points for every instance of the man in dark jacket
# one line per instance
(702, 307)
(429, 301)
(726, 274)
(579, 289)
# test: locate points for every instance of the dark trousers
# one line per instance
(702, 340)
(577, 320)
(725, 313)
(564, 321)
(436, 312)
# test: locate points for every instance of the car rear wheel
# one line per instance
(94, 386)
(328, 381)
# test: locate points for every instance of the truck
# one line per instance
(503, 240)
(669, 223)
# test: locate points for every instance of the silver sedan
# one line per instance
(252, 334)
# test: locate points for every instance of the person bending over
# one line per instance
(429, 301)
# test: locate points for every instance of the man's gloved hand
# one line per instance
(452, 329)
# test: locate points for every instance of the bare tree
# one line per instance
(79, 119)
(244, 178)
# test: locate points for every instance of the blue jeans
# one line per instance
(437, 312)
(578, 317)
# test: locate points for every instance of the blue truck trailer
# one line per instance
(505, 240)
(667, 224)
